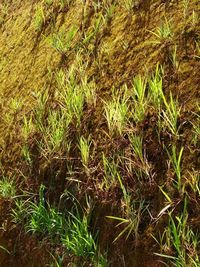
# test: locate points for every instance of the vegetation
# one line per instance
(99, 133)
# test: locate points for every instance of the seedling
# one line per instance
(84, 147)
(78, 239)
(110, 171)
(39, 18)
(156, 88)
(63, 42)
(43, 219)
(7, 188)
(182, 239)
(175, 160)
(116, 112)
(140, 98)
(170, 115)
(163, 33)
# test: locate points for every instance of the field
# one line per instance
(100, 133)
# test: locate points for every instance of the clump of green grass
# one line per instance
(182, 239)
(71, 96)
(141, 166)
(78, 239)
(132, 211)
(156, 88)
(7, 188)
(54, 133)
(173, 57)
(163, 33)
(129, 4)
(27, 129)
(175, 160)
(140, 98)
(84, 147)
(44, 219)
(170, 116)
(63, 42)
(39, 18)
(196, 129)
(116, 112)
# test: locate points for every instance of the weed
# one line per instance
(63, 42)
(15, 105)
(39, 18)
(27, 129)
(65, 3)
(173, 58)
(196, 130)
(194, 182)
(140, 99)
(129, 4)
(170, 116)
(176, 163)
(48, 2)
(197, 50)
(19, 212)
(78, 239)
(88, 36)
(163, 33)
(156, 88)
(116, 112)
(4, 249)
(54, 133)
(84, 147)
(7, 188)
(132, 221)
(101, 261)
(57, 261)
(142, 167)
(89, 89)
(185, 4)
(182, 238)
(44, 219)
(110, 171)
(40, 110)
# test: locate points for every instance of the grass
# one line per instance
(175, 159)
(170, 116)
(131, 222)
(156, 88)
(173, 58)
(142, 167)
(181, 237)
(163, 33)
(139, 98)
(129, 4)
(39, 18)
(78, 239)
(63, 42)
(116, 111)
(84, 147)
(196, 130)
(53, 133)
(44, 219)
(110, 171)
(7, 187)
